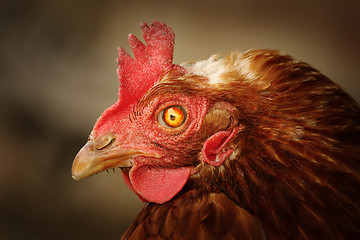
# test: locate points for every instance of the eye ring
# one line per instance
(172, 117)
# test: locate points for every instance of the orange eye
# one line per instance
(173, 116)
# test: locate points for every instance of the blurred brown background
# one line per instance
(58, 73)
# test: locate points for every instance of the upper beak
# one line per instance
(91, 160)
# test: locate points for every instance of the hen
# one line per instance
(247, 146)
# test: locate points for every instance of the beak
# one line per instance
(91, 160)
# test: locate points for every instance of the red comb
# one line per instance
(137, 75)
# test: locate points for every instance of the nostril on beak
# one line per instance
(104, 142)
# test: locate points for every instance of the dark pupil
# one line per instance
(172, 117)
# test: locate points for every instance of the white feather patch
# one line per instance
(212, 68)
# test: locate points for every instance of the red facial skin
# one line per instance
(158, 172)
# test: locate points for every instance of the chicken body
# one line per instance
(195, 214)
(252, 145)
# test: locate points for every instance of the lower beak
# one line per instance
(90, 160)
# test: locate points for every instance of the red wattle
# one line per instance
(127, 181)
(157, 185)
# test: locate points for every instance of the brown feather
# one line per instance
(195, 215)
(297, 161)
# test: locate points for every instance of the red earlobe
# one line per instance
(213, 151)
